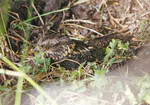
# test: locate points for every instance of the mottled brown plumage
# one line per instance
(60, 47)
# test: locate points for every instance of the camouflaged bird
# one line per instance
(67, 51)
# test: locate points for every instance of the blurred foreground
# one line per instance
(128, 85)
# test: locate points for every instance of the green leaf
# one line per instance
(111, 61)
(80, 68)
(123, 47)
(147, 98)
(130, 96)
(114, 50)
(100, 73)
(48, 62)
(74, 75)
(107, 50)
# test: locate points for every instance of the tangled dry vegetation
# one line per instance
(79, 20)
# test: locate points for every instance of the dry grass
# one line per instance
(109, 16)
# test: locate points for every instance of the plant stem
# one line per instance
(32, 82)
(4, 7)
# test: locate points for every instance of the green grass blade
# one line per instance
(60, 10)
(32, 82)
(19, 91)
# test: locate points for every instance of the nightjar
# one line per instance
(69, 53)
